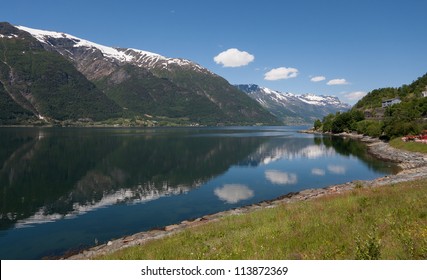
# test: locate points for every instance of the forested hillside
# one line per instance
(370, 118)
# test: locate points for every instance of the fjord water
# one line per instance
(68, 188)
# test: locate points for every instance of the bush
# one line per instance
(370, 128)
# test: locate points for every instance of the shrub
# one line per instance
(370, 127)
(369, 249)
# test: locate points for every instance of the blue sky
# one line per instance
(354, 46)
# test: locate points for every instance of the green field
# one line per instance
(408, 146)
(367, 223)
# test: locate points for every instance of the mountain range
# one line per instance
(53, 76)
(294, 109)
(49, 77)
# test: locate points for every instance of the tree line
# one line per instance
(407, 117)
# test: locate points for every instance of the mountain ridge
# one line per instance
(136, 83)
(292, 108)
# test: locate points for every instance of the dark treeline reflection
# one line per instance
(57, 172)
(70, 188)
(350, 147)
(278, 148)
(49, 174)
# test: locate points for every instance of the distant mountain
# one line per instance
(291, 108)
(58, 76)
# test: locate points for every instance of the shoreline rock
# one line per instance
(413, 167)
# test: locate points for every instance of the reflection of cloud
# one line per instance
(233, 193)
(313, 151)
(318, 171)
(336, 169)
(281, 178)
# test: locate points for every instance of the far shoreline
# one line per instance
(413, 167)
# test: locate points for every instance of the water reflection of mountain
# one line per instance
(52, 174)
(350, 147)
(312, 148)
(287, 148)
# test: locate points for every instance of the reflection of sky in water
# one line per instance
(137, 183)
(138, 195)
(233, 193)
(268, 153)
(281, 178)
(318, 171)
(270, 159)
(336, 169)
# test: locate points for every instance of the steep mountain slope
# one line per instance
(147, 83)
(294, 109)
(10, 111)
(36, 82)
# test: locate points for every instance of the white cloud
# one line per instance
(335, 82)
(356, 95)
(336, 169)
(234, 58)
(318, 79)
(233, 193)
(318, 172)
(281, 178)
(280, 73)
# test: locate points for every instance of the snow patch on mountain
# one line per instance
(136, 57)
(321, 100)
(43, 36)
(293, 108)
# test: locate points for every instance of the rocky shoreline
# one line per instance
(413, 166)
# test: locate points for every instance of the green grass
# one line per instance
(409, 146)
(380, 223)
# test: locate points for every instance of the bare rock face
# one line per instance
(89, 61)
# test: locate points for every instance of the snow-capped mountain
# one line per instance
(57, 77)
(322, 100)
(292, 108)
(77, 48)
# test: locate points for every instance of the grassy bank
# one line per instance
(408, 146)
(379, 223)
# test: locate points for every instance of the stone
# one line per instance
(128, 239)
(171, 227)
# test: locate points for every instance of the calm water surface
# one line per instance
(63, 189)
